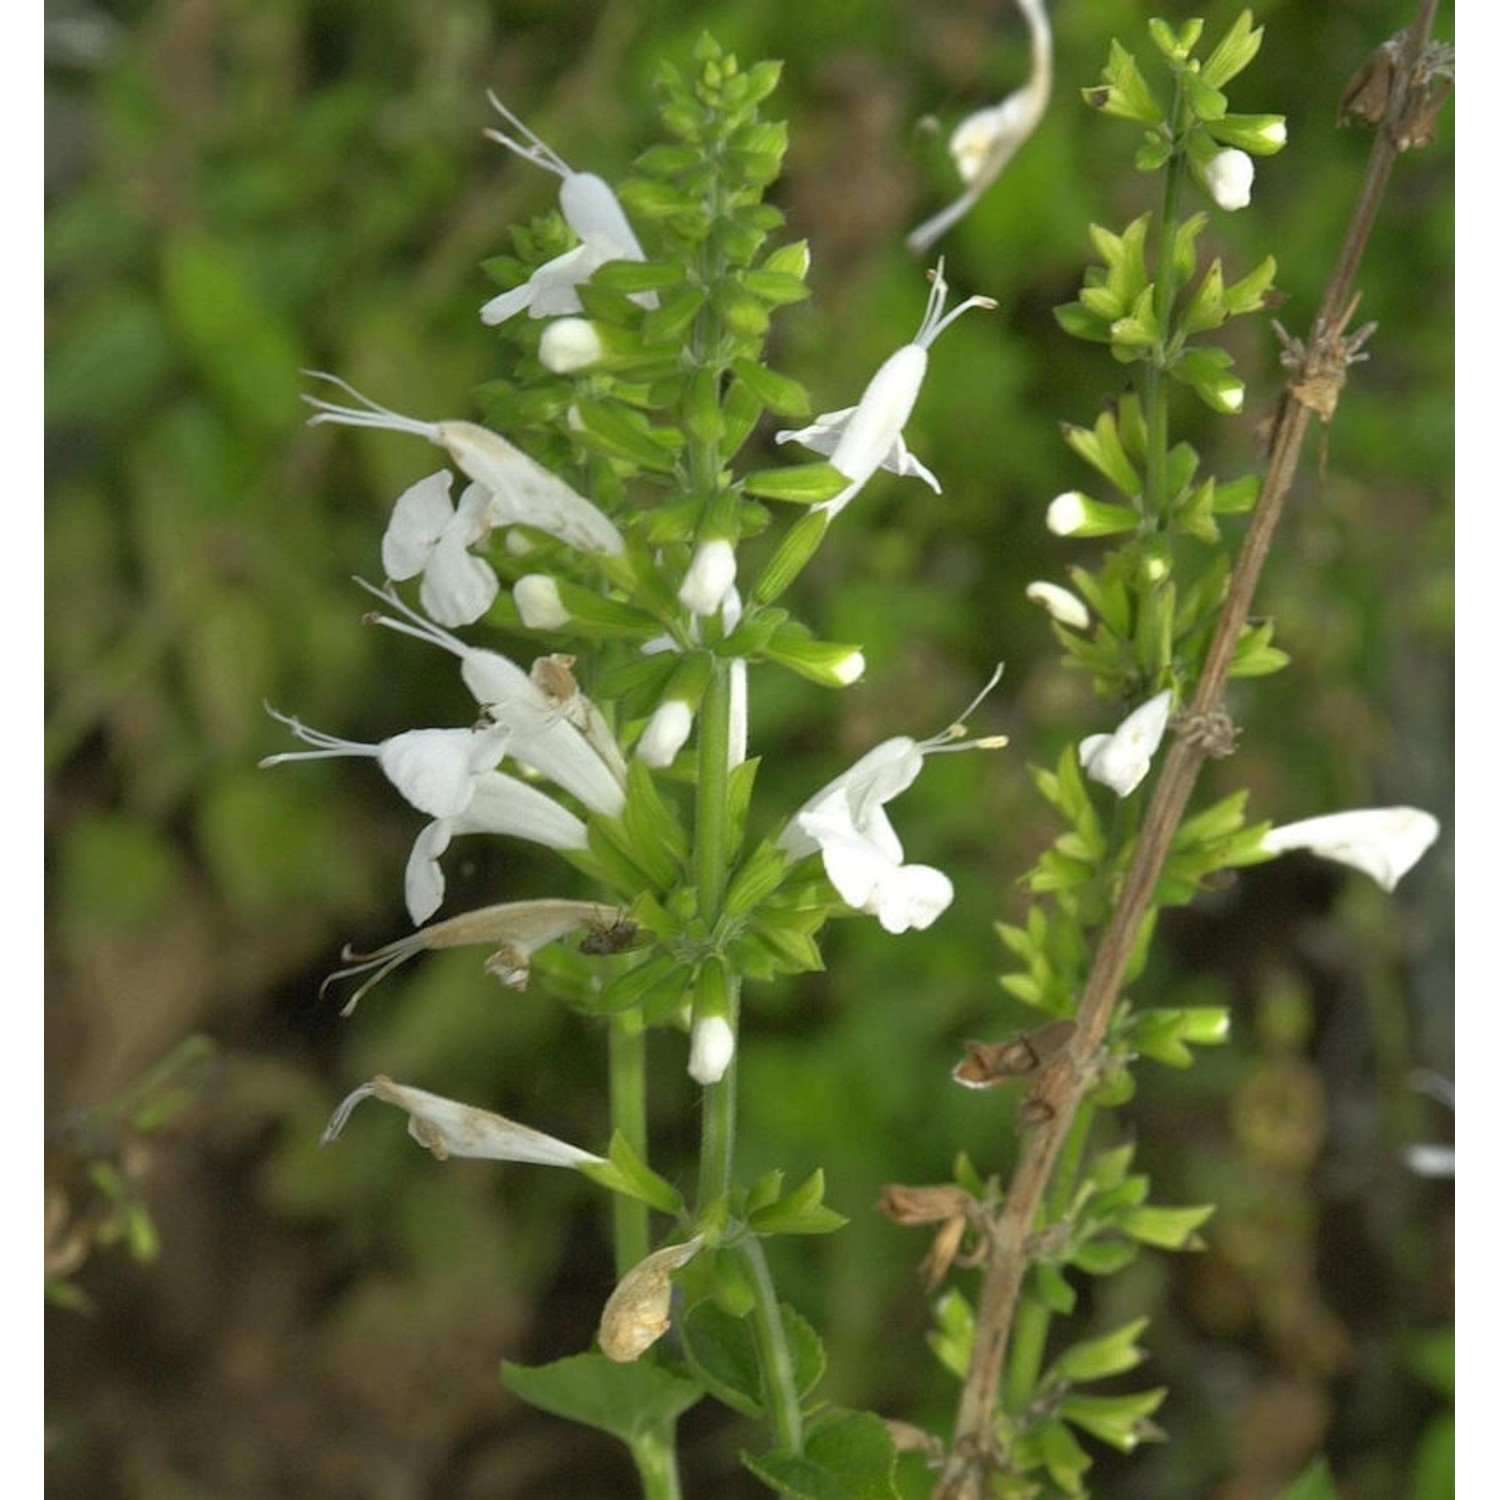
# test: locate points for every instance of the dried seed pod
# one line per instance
(987, 1064)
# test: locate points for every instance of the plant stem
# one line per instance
(1061, 1088)
(775, 1357)
(627, 1106)
(655, 1455)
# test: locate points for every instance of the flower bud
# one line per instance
(666, 733)
(1228, 176)
(712, 1050)
(710, 576)
(1075, 514)
(569, 345)
(1064, 607)
(539, 602)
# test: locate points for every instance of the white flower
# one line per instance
(539, 602)
(709, 577)
(427, 535)
(1121, 760)
(712, 1050)
(518, 927)
(983, 144)
(434, 769)
(1064, 606)
(521, 491)
(447, 1128)
(498, 804)
(861, 439)
(846, 823)
(1384, 842)
(537, 733)
(593, 213)
(1228, 176)
(569, 345)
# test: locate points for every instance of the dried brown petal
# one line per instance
(639, 1309)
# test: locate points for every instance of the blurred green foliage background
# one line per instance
(240, 189)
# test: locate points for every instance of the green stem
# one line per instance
(627, 1107)
(775, 1356)
(655, 1455)
(1165, 294)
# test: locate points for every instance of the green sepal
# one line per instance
(1123, 1422)
(801, 1211)
(847, 1456)
(791, 556)
(1254, 655)
(667, 323)
(1205, 371)
(625, 1400)
(661, 977)
(1206, 102)
(1238, 496)
(1164, 1034)
(1166, 1228)
(1101, 447)
(1103, 1257)
(1063, 1456)
(801, 484)
(1052, 1289)
(1176, 46)
(1094, 1359)
(626, 1173)
(1249, 293)
(1235, 52)
(1124, 91)
(618, 432)
(760, 875)
(952, 1340)
(780, 393)
(631, 276)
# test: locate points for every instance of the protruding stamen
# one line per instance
(374, 414)
(533, 149)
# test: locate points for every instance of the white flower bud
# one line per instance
(666, 733)
(1064, 607)
(539, 602)
(1066, 514)
(1228, 178)
(570, 344)
(709, 578)
(712, 1050)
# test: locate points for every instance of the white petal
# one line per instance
(1383, 842)
(434, 769)
(1121, 760)
(457, 588)
(709, 577)
(502, 804)
(424, 875)
(507, 304)
(870, 437)
(1229, 177)
(666, 732)
(594, 214)
(917, 899)
(418, 519)
(712, 1050)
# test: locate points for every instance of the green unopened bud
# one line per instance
(1077, 514)
(1261, 135)
(825, 662)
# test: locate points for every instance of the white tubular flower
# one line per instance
(521, 491)
(1121, 760)
(427, 535)
(709, 577)
(1064, 606)
(518, 927)
(447, 1128)
(847, 824)
(593, 213)
(1228, 176)
(569, 345)
(498, 804)
(537, 735)
(712, 1050)
(539, 602)
(1384, 842)
(983, 144)
(861, 439)
(434, 769)
(666, 732)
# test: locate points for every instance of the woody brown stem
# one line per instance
(1061, 1086)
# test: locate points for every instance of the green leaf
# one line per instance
(625, 1400)
(1166, 1228)
(848, 1456)
(1235, 52)
(1121, 1421)
(721, 1352)
(626, 1173)
(618, 432)
(780, 393)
